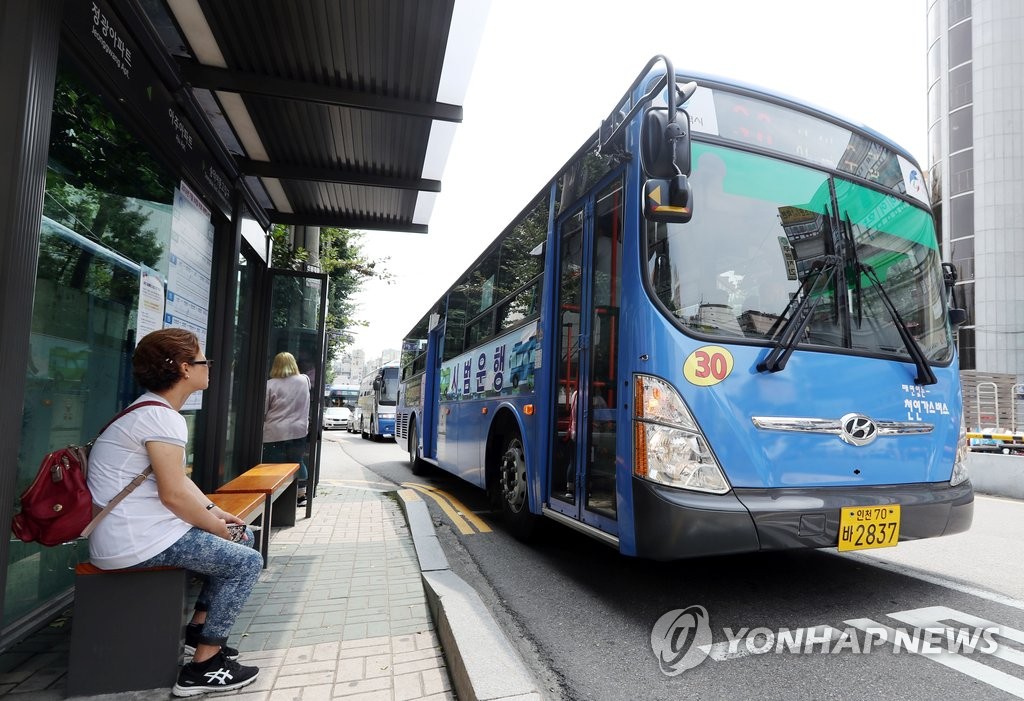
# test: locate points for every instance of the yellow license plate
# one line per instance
(863, 527)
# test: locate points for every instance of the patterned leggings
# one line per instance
(230, 570)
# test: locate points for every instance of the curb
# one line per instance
(482, 662)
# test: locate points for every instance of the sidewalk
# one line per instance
(340, 613)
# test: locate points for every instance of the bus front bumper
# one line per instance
(673, 523)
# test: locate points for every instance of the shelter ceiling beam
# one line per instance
(343, 222)
(223, 79)
(270, 169)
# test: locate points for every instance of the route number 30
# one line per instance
(708, 365)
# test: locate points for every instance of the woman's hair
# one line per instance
(157, 361)
(284, 365)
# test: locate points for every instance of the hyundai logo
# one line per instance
(858, 429)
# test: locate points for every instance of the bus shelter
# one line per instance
(151, 145)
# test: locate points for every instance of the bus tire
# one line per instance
(362, 431)
(417, 465)
(374, 436)
(513, 488)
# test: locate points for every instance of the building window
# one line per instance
(935, 101)
(935, 150)
(961, 129)
(935, 176)
(961, 253)
(961, 172)
(960, 86)
(961, 216)
(958, 10)
(967, 348)
(960, 44)
(934, 21)
(934, 62)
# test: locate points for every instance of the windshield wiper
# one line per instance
(925, 376)
(823, 272)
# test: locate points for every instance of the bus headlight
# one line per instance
(668, 446)
(960, 462)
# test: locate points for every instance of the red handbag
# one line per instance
(57, 506)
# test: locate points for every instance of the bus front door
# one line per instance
(430, 390)
(583, 466)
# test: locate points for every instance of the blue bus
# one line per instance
(737, 331)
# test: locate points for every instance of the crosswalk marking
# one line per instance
(967, 639)
(926, 618)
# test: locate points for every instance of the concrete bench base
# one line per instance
(127, 630)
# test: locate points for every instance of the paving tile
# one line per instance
(362, 686)
(407, 686)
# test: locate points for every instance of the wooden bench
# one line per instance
(251, 508)
(112, 650)
(277, 482)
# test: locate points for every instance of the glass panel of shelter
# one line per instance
(296, 327)
(100, 227)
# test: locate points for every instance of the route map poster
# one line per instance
(188, 271)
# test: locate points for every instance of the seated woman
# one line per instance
(167, 520)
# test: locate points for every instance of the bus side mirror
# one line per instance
(376, 384)
(668, 200)
(949, 276)
(664, 145)
(957, 316)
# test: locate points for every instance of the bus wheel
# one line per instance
(515, 502)
(362, 431)
(417, 465)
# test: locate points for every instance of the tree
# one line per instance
(342, 259)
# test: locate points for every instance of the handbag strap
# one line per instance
(129, 488)
(127, 410)
(136, 481)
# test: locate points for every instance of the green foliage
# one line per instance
(100, 183)
(88, 148)
(342, 259)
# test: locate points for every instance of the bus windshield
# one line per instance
(389, 386)
(762, 229)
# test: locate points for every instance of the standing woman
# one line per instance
(286, 423)
(167, 520)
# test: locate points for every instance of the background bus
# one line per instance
(378, 394)
(719, 328)
(339, 402)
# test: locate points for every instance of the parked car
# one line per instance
(336, 417)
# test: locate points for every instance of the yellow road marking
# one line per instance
(461, 516)
(462, 508)
(457, 520)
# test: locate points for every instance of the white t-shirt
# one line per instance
(140, 526)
